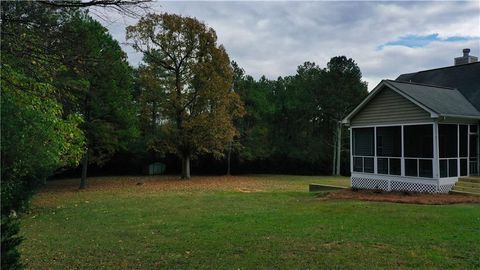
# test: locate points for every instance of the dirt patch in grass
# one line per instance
(402, 197)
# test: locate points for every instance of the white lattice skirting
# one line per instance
(365, 182)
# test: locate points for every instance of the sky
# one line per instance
(384, 38)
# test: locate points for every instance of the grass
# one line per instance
(251, 222)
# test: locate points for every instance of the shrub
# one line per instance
(10, 241)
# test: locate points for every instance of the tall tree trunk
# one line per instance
(186, 167)
(339, 147)
(228, 157)
(83, 180)
(334, 152)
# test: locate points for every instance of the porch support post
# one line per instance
(351, 150)
(468, 150)
(436, 163)
(402, 160)
(478, 150)
(375, 169)
(458, 150)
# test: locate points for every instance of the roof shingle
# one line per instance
(441, 100)
(464, 78)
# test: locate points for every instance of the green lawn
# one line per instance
(254, 222)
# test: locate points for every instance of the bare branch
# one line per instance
(130, 8)
(89, 3)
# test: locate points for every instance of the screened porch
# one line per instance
(423, 151)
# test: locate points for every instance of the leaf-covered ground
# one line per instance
(248, 222)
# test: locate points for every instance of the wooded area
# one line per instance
(70, 99)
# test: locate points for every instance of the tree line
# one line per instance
(71, 100)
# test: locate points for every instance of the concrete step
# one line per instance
(464, 192)
(472, 179)
(467, 184)
(322, 187)
(467, 189)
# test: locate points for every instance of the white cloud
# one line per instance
(273, 38)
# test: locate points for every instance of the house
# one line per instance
(418, 132)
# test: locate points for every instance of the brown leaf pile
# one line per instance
(402, 197)
(57, 192)
(160, 183)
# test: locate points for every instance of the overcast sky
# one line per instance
(384, 38)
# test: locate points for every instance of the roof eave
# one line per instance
(375, 91)
(461, 116)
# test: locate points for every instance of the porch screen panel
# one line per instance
(382, 165)
(473, 150)
(418, 141)
(463, 130)
(363, 151)
(395, 166)
(357, 164)
(443, 168)
(389, 141)
(463, 145)
(363, 142)
(463, 167)
(448, 149)
(418, 150)
(425, 168)
(452, 168)
(447, 139)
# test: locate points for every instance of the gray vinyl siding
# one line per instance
(389, 107)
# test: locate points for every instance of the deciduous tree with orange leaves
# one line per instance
(193, 77)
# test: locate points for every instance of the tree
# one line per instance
(104, 98)
(194, 76)
(254, 127)
(37, 136)
(39, 133)
(131, 8)
(35, 140)
(345, 89)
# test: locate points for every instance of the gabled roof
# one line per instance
(464, 78)
(438, 101)
(441, 100)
